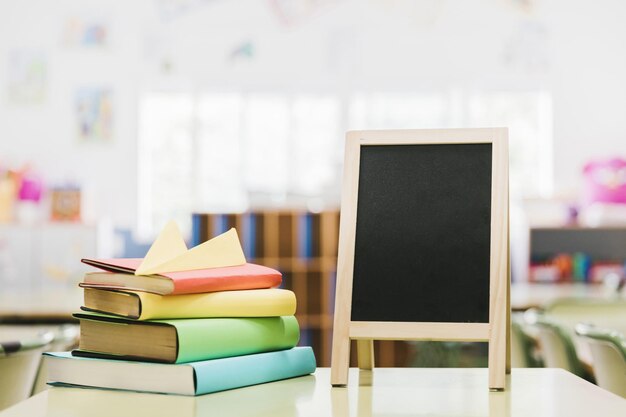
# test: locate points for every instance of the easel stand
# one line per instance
(349, 325)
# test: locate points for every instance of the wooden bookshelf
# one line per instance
(599, 245)
(303, 247)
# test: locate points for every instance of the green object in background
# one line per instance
(581, 265)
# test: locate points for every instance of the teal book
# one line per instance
(194, 378)
(183, 340)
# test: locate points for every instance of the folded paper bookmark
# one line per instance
(169, 253)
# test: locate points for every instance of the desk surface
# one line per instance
(40, 306)
(385, 391)
(525, 295)
(59, 304)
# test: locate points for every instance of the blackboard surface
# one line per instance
(422, 245)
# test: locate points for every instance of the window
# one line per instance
(267, 142)
(231, 151)
(220, 180)
(317, 146)
(166, 161)
(398, 111)
(528, 117)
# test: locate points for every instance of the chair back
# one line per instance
(608, 349)
(19, 363)
(522, 348)
(557, 347)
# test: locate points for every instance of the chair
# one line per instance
(19, 362)
(608, 349)
(523, 348)
(557, 347)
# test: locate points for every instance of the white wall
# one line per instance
(45, 134)
(588, 83)
(573, 49)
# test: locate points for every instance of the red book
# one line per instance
(119, 274)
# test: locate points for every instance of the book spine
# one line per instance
(243, 371)
(195, 229)
(203, 339)
(242, 303)
(243, 282)
(199, 228)
(248, 238)
(219, 224)
(304, 236)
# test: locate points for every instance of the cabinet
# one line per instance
(303, 247)
(585, 254)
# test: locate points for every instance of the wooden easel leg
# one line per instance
(508, 325)
(340, 360)
(508, 294)
(499, 342)
(365, 354)
(500, 315)
(497, 358)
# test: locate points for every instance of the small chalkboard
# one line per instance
(423, 246)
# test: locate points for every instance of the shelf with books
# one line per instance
(303, 247)
(576, 254)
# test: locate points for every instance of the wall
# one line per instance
(588, 83)
(572, 49)
(46, 134)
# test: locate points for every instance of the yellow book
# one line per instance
(145, 306)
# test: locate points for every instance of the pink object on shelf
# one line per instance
(605, 181)
(30, 189)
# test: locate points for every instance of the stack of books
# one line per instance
(163, 324)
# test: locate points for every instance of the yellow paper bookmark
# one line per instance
(169, 253)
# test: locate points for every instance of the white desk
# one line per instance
(525, 295)
(385, 391)
(40, 306)
(59, 304)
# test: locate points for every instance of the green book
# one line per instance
(183, 340)
(192, 378)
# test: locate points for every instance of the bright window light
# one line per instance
(266, 151)
(166, 160)
(528, 117)
(232, 151)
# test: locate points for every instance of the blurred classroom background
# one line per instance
(118, 116)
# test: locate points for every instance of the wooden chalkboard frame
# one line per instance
(496, 332)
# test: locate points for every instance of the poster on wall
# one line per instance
(94, 114)
(26, 76)
(85, 32)
(243, 51)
